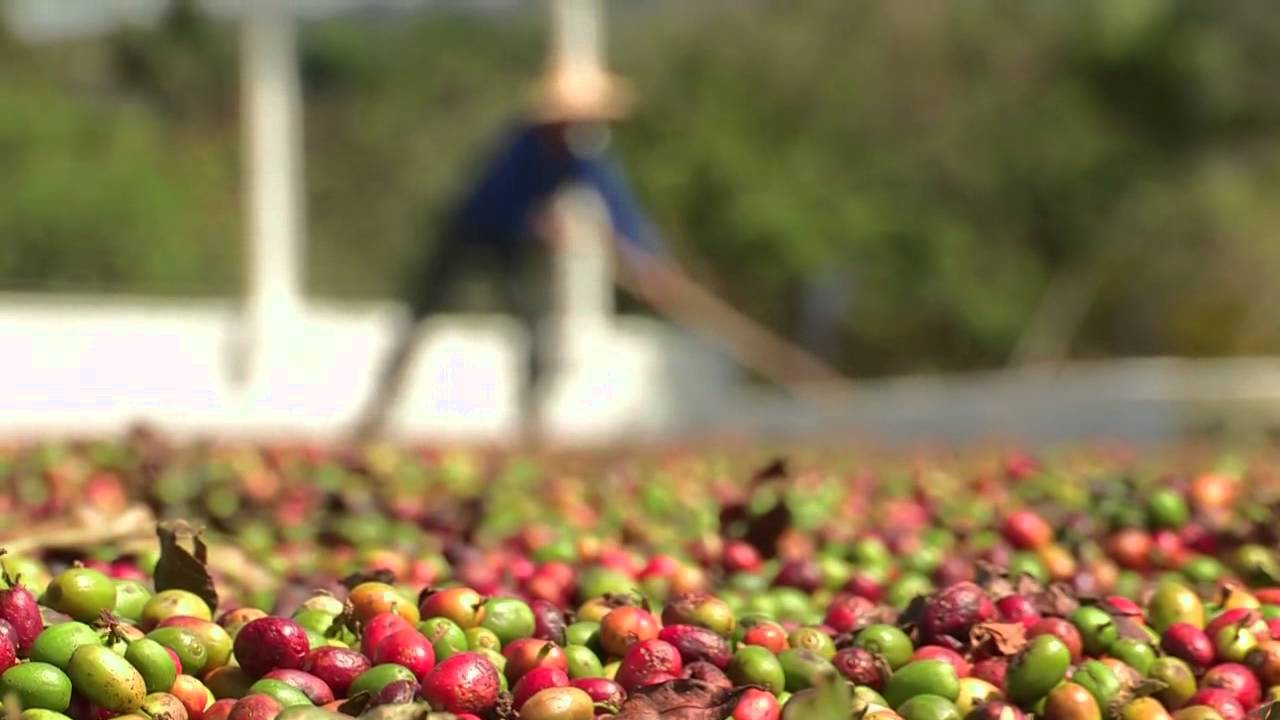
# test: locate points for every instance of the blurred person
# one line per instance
(505, 223)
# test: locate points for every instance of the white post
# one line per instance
(578, 32)
(271, 117)
(582, 264)
(583, 272)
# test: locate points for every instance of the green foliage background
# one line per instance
(1102, 174)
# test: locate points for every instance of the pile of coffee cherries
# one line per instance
(1089, 589)
(93, 647)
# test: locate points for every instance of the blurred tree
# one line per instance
(1006, 180)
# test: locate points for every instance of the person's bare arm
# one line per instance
(650, 277)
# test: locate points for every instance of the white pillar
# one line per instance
(583, 278)
(582, 273)
(583, 270)
(577, 32)
(272, 141)
(582, 396)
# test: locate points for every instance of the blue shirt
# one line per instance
(525, 173)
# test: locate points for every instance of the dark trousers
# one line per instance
(517, 267)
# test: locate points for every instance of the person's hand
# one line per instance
(652, 276)
(549, 225)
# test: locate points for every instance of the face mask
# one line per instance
(587, 139)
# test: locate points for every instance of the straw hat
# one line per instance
(573, 92)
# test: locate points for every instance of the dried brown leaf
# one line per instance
(775, 469)
(1127, 627)
(1006, 638)
(182, 569)
(1056, 601)
(883, 615)
(993, 579)
(1024, 584)
(684, 699)
(763, 531)
(911, 617)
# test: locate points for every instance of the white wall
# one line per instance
(98, 364)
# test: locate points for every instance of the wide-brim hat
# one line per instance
(581, 92)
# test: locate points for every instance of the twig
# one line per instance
(130, 531)
(87, 528)
(756, 347)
